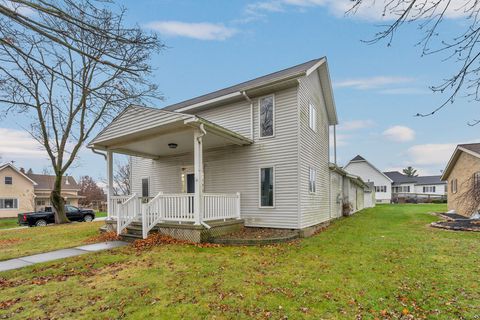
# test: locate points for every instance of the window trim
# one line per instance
(314, 170)
(5, 181)
(260, 187)
(141, 187)
(259, 116)
(454, 186)
(6, 209)
(312, 107)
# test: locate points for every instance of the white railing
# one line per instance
(178, 207)
(114, 203)
(173, 207)
(217, 206)
(152, 213)
(127, 212)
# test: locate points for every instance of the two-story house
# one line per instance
(22, 191)
(257, 151)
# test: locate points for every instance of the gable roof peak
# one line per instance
(358, 158)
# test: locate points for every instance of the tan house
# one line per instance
(463, 175)
(16, 191)
(27, 192)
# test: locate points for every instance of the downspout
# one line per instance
(251, 113)
(98, 152)
(335, 144)
(202, 128)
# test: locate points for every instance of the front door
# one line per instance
(190, 183)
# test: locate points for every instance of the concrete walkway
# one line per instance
(58, 254)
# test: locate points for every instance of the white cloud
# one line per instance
(371, 10)
(372, 82)
(408, 91)
(431, 154)
(21, 9)
(355, 125)
(15, 144)
(399, 134)
(200, 31)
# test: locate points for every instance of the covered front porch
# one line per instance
(167, 135)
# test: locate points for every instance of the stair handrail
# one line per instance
(149, 218)
(123, 217)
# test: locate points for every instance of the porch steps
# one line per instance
(132, 232)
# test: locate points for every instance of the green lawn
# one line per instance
(23, 242)
(382, 263)
(8, 223)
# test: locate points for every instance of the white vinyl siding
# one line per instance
(313, 153)
(235, 168)
(336, 194)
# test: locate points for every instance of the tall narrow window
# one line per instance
(266, 187)
(476, 180)
(312, 180)
(312, 117)
(266, 116)
(145, 188)
(454, 185)
(8, 180)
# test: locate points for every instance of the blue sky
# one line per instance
(378, 89)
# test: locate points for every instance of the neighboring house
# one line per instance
(16, 191)
(44, 187)
(462, 174)
(26, 192)
(369, 173)
(256, 151)
(419, 187)
(349, 189)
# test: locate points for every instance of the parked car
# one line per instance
(42, 218)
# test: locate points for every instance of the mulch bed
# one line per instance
(458, 225)
(257, 236)
(452, 216)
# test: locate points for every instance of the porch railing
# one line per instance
(221, 206)
(114, 203)
(174, 208)
(127, 212)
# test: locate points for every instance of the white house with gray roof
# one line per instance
(420, 186)
(257, 151)
(369, 173)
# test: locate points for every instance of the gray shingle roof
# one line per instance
(475, 147)
(46, 182)
(282, 74)
(358, 158)
(400, 178)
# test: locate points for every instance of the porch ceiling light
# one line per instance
(172, 145)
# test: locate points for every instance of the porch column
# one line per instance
(110, 212)
(198, 163)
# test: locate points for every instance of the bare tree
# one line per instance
(470, 197)
(463, 48)
(73, 79)
(121, 179)
(90, 190)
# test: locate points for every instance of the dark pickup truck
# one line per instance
(42, 218)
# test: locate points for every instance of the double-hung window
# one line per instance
(476, 180)
(267, 187)
(312, 180)
(145, 188)
(312, 117)
(8, 180)
(8, 203)
(267, 114)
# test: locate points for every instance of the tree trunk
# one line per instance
(58, 202)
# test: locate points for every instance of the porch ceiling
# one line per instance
(152, 141)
